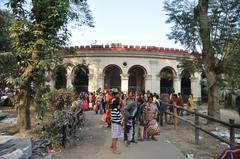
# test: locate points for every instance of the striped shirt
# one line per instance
(116, 116)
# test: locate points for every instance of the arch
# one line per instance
(136, 81)
(112, 65)
(112, 78)
(185, 84)
(60, 76)
(170, 68)
(80, 78)
(166, 81)
(139, 66)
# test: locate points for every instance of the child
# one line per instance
(117, 131)
(129, 126)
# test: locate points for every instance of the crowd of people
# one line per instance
(133, 116)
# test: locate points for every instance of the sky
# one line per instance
(129, 22)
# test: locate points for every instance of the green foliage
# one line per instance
(186, 28)
(191, 65)
(41, 101)
(166, 74)
(8, 67)
(222, 56)
(60, 98)
(46, 100)
(71, 51)
(39, 30)
(231, 78)
(39, 34)
(222, 18)
(5, 22)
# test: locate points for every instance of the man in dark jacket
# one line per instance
(129, 111)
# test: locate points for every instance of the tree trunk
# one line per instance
(24, 120)
(213, 96)
(201, 15)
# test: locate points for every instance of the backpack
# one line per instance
(231, 153)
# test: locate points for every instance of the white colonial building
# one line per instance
(127, 68)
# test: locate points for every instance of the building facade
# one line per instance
(127, 68)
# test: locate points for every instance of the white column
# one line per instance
(93, 75)
(49, 80)
(148, 82)
(101, 80)
(177, 84)
(124, 82)
(158, 84)
(91, 83)
(69, 77)
(153, 87)
(196, 88)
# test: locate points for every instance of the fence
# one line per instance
(64, 126)
(69, 130)
(231, 125)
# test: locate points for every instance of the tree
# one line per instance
(7, 58)
(231, 78)
(213, 26)
(5, 22)
(39, 30)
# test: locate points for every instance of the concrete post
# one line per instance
(124, 82)
(158, 87)
(50, 81)
(196, 88)
(153, 87)
(92, 84)
(148, 82)
(69, 77)
(101, 80)
(177, 84)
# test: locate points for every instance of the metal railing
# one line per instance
(196, 124)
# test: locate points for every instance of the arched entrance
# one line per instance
(166, 81)
(136, 81)
(80, 78)
(185, 85)
(60, 77)
(112, 79)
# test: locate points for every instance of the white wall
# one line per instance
(153, 65)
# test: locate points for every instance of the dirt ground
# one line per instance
(95, 142)
(209, 147)
(183, 137)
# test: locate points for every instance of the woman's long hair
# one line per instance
(115, 103)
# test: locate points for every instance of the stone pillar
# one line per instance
(158, 87)
(91, 83)
(124, 82)
(101, 80)
(52, 84)
(69, 78)
(154, 84)
(177, 84)
(93, 76)
(196, 88)
(148, 82)
(50, 81)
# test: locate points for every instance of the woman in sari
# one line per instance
(151, 111)
(190, 103)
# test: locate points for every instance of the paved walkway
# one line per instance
(97, 139)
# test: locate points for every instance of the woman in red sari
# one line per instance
(151, 111)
